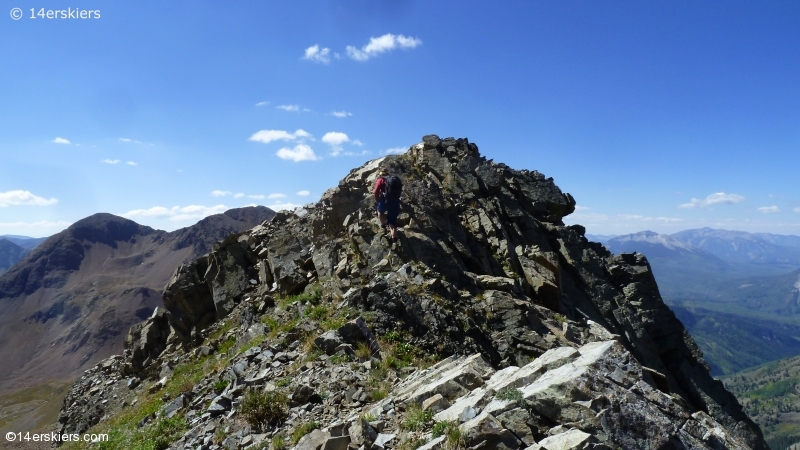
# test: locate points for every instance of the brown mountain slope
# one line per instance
(68, 304)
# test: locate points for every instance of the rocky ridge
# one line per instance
(538, 337)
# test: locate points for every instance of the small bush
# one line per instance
(220, 386)
(510, 394)
(417, 419)
(303, 430)
(339, 359)
(283, 382)
(261, 408)
(455, 440)
(318, 312)
(226, 345)
(278, 442)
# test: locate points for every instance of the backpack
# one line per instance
(393, 188)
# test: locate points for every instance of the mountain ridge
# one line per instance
(484, 269)
(69, 302)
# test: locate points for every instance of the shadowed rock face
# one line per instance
(483, 264)
(70, 301)
(10, 254)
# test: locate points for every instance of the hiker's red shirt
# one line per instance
(380, 186)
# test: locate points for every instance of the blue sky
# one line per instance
(654, 115)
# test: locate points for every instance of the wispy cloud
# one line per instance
(341, 114)
(262, 103)
(110, 161)
(382, 44)
(20, 198)
(290, 108)
(267, 136)
(60, 140)
(797, 210)
(276, 195)
(176, 213)
(283, 206)
(303, 193)
(238, 195)
(45, 226)
(219, 193)
(317, 54)
(132, 163)
(769, 209)
(718, 198)
(394, 151)
(641, 218)
(256, 196)
(335, 139)
(133, 141)
(300, 152)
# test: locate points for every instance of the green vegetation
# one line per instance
(261, 408)
(123, 433)
(411, 444)
(510, 394)
(770, 395)
(226, 345)
(416, 419)
(303, 430)
(454, 440)
(732, 343)
(278, 442)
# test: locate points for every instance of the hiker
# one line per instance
(387, 196)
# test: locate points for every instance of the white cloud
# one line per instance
(19, 197)
(262, 103)
(769, 209)
(581, 208)
(797, 210)
(131, 140)
(290, 108)
(382, 44)
(394, 151)
(110, 161)
(33, 228)
(267, 136)
(316, 54)
(648, 218)
(335, 139)
(282, 206)
(300, 152)
(60, 140)
(256, 196)
(177, 213)
(357, 142)
(713, 199)
(341, 114)
(276, 195)
(218, 193)
(238, 195)
(303, 193)
(132, 163)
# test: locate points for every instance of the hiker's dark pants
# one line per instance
(391, 208)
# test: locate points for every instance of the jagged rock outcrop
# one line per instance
(484, 266)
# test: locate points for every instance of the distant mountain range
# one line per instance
(14, 248)
(738, 293)
(69, 302)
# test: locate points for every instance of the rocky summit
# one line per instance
(487, 324)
